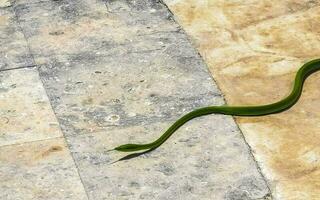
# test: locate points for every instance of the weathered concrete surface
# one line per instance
(25, 111)
(13, 48)
(253, 49)
(39, 170)
(123, 72)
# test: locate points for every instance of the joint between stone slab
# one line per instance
(15, 68)
(181, 29)
(269, 195)
(30, 142)
(65, 138)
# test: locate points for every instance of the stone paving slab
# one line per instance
(102, 102)
(60, 27)
(123, 72)
(25, 111)
(258, 46)
(95, 94)
(42, 170)
(63, 28)
(14, 52)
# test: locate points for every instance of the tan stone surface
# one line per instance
(253, 49)
(25, 111)
(39, 170)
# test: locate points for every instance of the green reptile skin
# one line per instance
(284, 104)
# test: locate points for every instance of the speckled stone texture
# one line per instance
(25, 111)
(123, 71)
(13, 47)
(253, 49)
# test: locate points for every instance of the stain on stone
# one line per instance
(113, 118)
(166, 169)
(237, 195)
(134, 184)
(87, 101)
(4, 120)
(52, 149)
(36, 170)
(56, 33)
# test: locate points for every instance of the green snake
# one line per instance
(284, 104)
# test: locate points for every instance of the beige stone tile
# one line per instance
(235, 14)
(39, 170)
(26, 114)
(253, 50)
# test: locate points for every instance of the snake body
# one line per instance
(284, 104)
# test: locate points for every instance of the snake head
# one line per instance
(129, 147)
